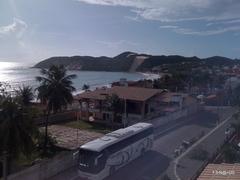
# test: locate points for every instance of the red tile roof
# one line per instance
(130, 93)
(221, 172)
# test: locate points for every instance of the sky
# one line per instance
(32, 30)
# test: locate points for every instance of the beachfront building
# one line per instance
(134, 104)
(144, 83)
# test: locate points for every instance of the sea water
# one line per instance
(18, 74)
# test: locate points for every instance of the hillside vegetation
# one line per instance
(129, 61)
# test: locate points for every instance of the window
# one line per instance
(128, 141)
(91, 161)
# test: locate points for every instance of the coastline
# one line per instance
(150, 75)
(146, 76)
(18, 74)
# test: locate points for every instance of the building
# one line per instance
(135, 103)
(220, 172)
(169, 102)
(145, 83)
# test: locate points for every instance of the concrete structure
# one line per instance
(134, 103)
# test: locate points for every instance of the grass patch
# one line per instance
(83, 125)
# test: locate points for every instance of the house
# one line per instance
(220, 171)
(135, 103)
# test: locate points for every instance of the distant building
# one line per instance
(220, 172)
(232, 82)
(169, 102)
(141, 83)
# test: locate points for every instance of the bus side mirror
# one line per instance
(75, 155)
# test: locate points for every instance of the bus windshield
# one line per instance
(91, 161)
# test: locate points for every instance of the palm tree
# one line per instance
(114, 105)
(3, 92)
(16, 128)
(25, 95)
(55, 90)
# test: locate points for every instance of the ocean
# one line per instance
(18, 74)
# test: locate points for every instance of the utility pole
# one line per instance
(125, 113)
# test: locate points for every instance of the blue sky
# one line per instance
(31, 30)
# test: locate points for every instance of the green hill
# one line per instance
(130, 61)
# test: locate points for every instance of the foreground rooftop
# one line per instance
(221, 172)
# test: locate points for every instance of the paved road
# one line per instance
(211, 142)
(156, 162)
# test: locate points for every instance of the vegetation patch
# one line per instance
(199, 154)
(83, 125)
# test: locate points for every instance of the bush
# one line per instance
(51, 148)
(199, 154)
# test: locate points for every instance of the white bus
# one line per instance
(103, 156)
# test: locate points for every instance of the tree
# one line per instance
(115, 105)
(25, 95)
(236, 125)
(199, 154)
(16, 128)
(235, 98)
(3, 92)
(175, 82)
(85, 87)
(230, 154)
(55, 90)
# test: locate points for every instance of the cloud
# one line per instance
(178, 10)
(187, 31)
(133, 18)
(117, 44)
(168, 27)
(228, 22)
(17, 28)
(12, 40)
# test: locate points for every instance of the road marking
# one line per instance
(197, 143)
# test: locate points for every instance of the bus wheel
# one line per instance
(112, 170)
